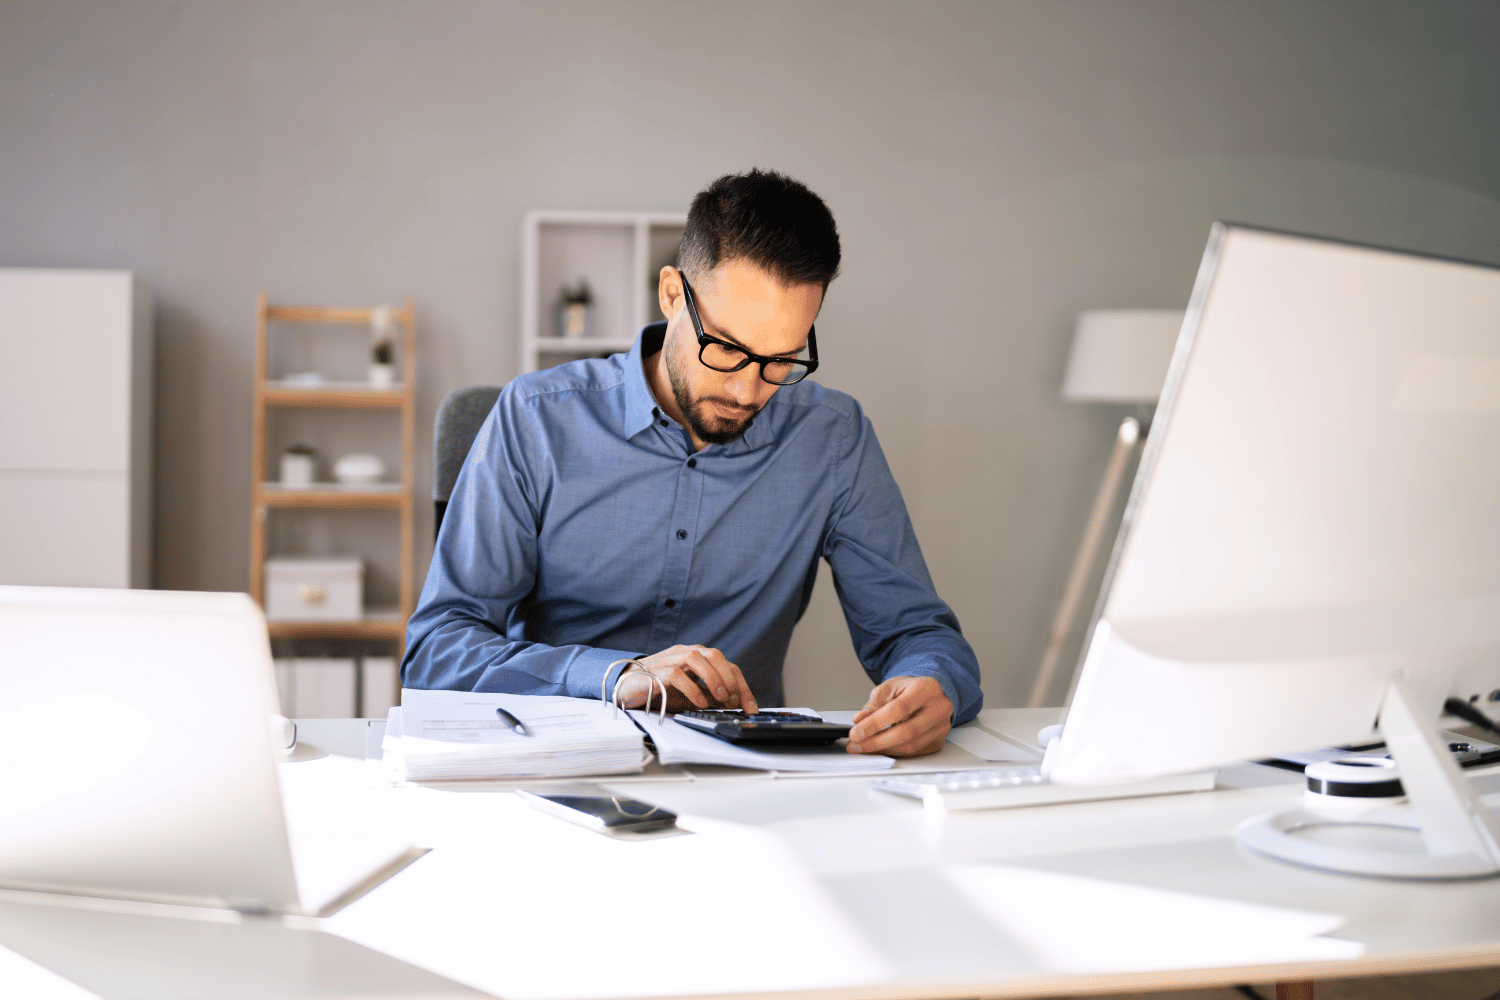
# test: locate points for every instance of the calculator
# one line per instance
(763, 729)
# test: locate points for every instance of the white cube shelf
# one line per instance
(617, 253)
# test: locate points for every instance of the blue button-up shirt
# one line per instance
(585, 529)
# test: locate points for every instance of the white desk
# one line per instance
(524, 905)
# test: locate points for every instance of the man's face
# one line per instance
(739, 303)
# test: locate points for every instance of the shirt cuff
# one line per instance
(917, 668)
(587, 671)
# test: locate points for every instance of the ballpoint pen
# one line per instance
(511, 721)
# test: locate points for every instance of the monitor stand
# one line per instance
(1444, 833)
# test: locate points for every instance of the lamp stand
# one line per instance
(1114, 473)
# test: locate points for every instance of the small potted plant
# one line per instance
(382, 335)
(382, 371)
(573, 310)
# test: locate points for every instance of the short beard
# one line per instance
(720, 431)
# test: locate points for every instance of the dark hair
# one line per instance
(764, 218)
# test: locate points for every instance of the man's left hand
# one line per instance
(905, 717)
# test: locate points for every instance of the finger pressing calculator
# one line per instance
(763, 729)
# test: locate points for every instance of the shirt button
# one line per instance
(692, 463)
(681, 533)
(671, 603)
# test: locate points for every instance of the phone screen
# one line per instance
(598, 809)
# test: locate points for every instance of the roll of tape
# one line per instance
(1355, 778)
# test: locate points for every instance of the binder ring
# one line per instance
(653, 682)
(656, 682)
(604, 681)
(615, 799)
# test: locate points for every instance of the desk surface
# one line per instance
(787, 885)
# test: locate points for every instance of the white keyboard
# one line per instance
(1024, 785)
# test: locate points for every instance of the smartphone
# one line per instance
(597, 809)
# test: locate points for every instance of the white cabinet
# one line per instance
(76, 401)
(617, 253)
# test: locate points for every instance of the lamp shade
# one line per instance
(1121, 355)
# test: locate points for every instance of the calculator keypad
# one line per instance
(787, 729)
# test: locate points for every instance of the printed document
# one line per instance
(439, 735)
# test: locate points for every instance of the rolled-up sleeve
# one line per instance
(484, 568)
(899, 625)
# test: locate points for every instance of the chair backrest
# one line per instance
(459, 417)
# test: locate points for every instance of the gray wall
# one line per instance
(995, 168)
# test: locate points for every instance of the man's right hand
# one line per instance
(695, 676)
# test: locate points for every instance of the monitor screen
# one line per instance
(1317, 512)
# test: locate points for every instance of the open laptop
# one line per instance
(138, 760)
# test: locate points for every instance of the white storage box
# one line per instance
(300, 589)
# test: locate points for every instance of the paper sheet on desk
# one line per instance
(24, 978)
(343, 830)
(1090, 925)
(989, 747)
(979, 742)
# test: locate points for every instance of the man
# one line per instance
(670, 506)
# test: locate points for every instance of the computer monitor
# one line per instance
(1312, 542)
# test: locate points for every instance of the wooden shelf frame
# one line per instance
(372, 626)
(336, 499)
(337, 398)
(265, 496)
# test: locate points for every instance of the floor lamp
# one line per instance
(1118, 356)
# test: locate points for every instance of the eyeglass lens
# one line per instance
(727, 358)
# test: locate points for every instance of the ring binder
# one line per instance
(653, 682)
(604, 681)
(445, 735)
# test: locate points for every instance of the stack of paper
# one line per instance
(677, 744)
(440, 735)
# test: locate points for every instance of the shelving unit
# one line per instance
(618, 253)
(376, 623)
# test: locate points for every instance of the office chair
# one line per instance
(459, 417)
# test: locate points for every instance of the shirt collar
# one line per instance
(640, 404)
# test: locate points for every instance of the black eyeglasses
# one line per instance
(722, 356)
